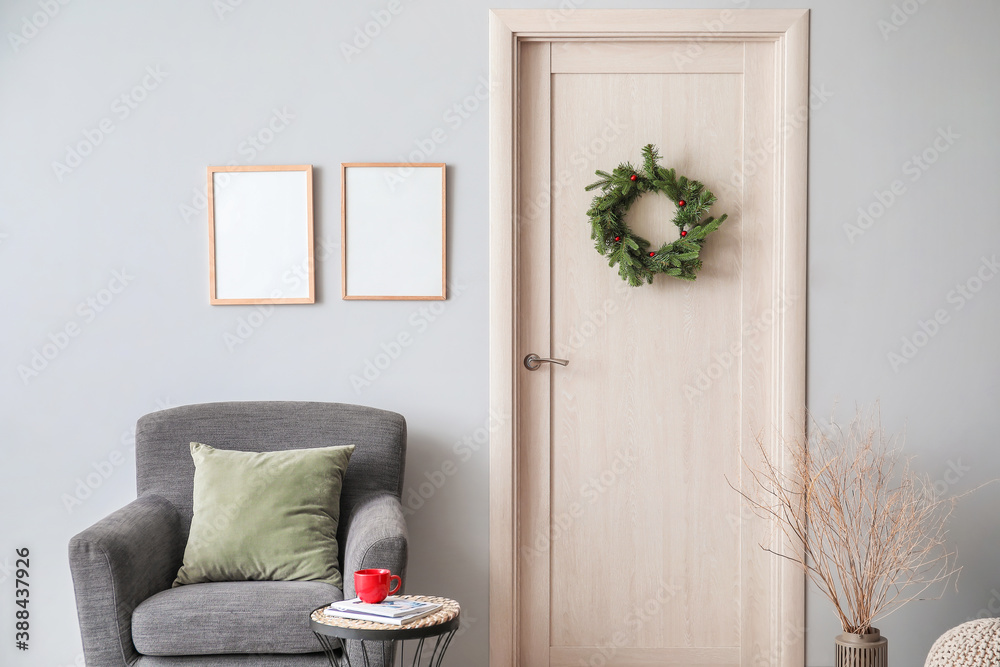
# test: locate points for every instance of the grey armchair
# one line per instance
(123, 566)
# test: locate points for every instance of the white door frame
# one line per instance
(789, 28)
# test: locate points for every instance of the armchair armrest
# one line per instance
(117, 563)
(376, 537)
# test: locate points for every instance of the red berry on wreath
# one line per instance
(682, 203)
(652, 254)
(633, 177)
(618, 238)
(683, 233)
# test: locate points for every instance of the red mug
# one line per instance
(372, 585)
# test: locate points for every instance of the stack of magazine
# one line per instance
(392, 610)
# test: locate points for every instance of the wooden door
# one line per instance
(626, 544)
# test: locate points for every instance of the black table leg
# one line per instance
(444, 647)
(336, 650)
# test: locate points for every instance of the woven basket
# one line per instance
(869, 650)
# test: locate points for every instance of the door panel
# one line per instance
(642, 466)
(646, 57)
(532, 312)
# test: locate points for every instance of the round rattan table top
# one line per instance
(441, 621)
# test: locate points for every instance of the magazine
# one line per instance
(390, 620)
(391, 607)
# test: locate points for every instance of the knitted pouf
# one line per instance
(972, 644)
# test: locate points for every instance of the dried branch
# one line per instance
(866, 529)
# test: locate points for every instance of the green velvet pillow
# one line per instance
(265, 516)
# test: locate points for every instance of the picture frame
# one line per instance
(260, 222)
(393, 231)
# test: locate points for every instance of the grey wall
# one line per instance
(133, 206)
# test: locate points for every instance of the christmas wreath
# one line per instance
(619, 190)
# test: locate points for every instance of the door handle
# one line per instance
(533, 362)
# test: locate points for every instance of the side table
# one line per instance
(331, 631)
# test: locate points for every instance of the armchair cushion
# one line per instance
(237, 660)
(265, 516)
(231, 617)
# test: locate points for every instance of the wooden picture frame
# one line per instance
(393, 231)
(260, 235)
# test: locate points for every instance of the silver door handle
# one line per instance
(533, 362)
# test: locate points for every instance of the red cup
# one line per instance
(372, 585)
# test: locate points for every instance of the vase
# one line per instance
(867, 650)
